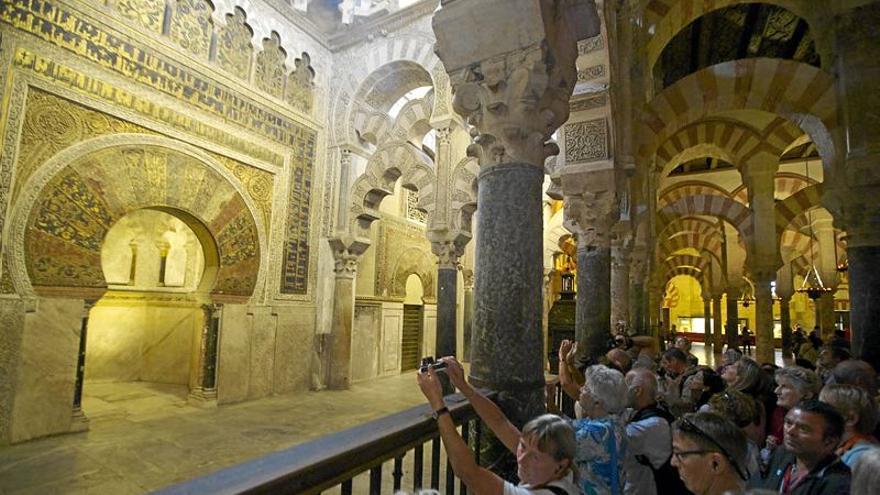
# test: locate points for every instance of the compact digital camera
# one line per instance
(430, 362)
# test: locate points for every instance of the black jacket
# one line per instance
(830, 477)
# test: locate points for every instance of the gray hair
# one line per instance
(606, 386)
(866, 473)
(645, 378)
(805, 381)
(852, 399)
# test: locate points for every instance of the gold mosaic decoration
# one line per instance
(191, 26)
(234, 45)
(149, 14)
(270, 68)
(75, 210)
(258, 183)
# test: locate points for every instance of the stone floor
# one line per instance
(145, 436)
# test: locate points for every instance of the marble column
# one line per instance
(825, 313)
(502, 81)
(467, 331)
(591, 211)
(593, 317)
(620, 266)
(204, 392)
(448, 254)
(707, 319)
(854, 197)
(717, 325)
(79, 421)
(764, 349)
(346, 253)
(732, 317)
(785, 322)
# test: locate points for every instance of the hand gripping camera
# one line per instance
(430, 362)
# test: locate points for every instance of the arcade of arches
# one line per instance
(250, 198)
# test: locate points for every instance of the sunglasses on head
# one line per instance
(689, 427)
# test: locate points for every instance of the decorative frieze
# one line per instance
(591, 45)
(589, 102)
(591, 73)
(586, 141)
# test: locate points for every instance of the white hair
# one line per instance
(606, 386)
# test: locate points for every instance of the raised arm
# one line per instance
(488, 411)
(570, 378)
(478, 479)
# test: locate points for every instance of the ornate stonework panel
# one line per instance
(403, 249)
(73, 213)
(148, 14)
(234, 48)
(68, 77)
(270, 71)
(192, 27)
(590, 45)
(295, 263)
(589, 102)
(591, 73)
(69, 30)
(412, 207)
(258, 183)
(586, 141)
(300, 85)
(52, 123)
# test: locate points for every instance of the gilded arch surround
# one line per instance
(233, 222)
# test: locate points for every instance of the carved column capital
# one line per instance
(347, 251)
(443, 135)
(448, 253)
(468, 276)
(514, 90)
(591, 216)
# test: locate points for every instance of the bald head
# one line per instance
(855, 372)
(620, 359)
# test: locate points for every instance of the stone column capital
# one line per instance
(514, 90)
(448, 253)
(468, 276)
(591, 216)
(443, 135)
(347, 251)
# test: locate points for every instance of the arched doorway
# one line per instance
(412, 341)
(144, 335)
(76, 197)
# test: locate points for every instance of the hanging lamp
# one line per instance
(812, 286)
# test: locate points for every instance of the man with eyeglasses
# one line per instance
(807, 465)
(709, 452)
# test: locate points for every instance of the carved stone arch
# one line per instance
(671, 16)
(414, 119)
(694, 224)
(698, 242)
(698, 262)
(723, 139)
(377, 61)
(463, 198)
(800, 93)
(710, 205)
(390, 163)
(73, 199)
(797, 204)
(684, 189)
(689, 271)
(414, 261)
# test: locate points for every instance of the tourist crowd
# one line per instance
(650, 423)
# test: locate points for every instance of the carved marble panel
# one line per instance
(590, 45)
(588, 102)
(148, 14)
(192, 27)
(591, 73)
(234, 48)
(300, 85)
(586, 141)
(270, 71)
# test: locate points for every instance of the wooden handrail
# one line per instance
(328, 461)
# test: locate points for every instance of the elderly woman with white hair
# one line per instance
(600, 433)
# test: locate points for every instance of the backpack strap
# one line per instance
(556, 490)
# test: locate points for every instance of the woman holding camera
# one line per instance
(544, 449)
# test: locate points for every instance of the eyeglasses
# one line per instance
(688, 426)
(688, 453)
